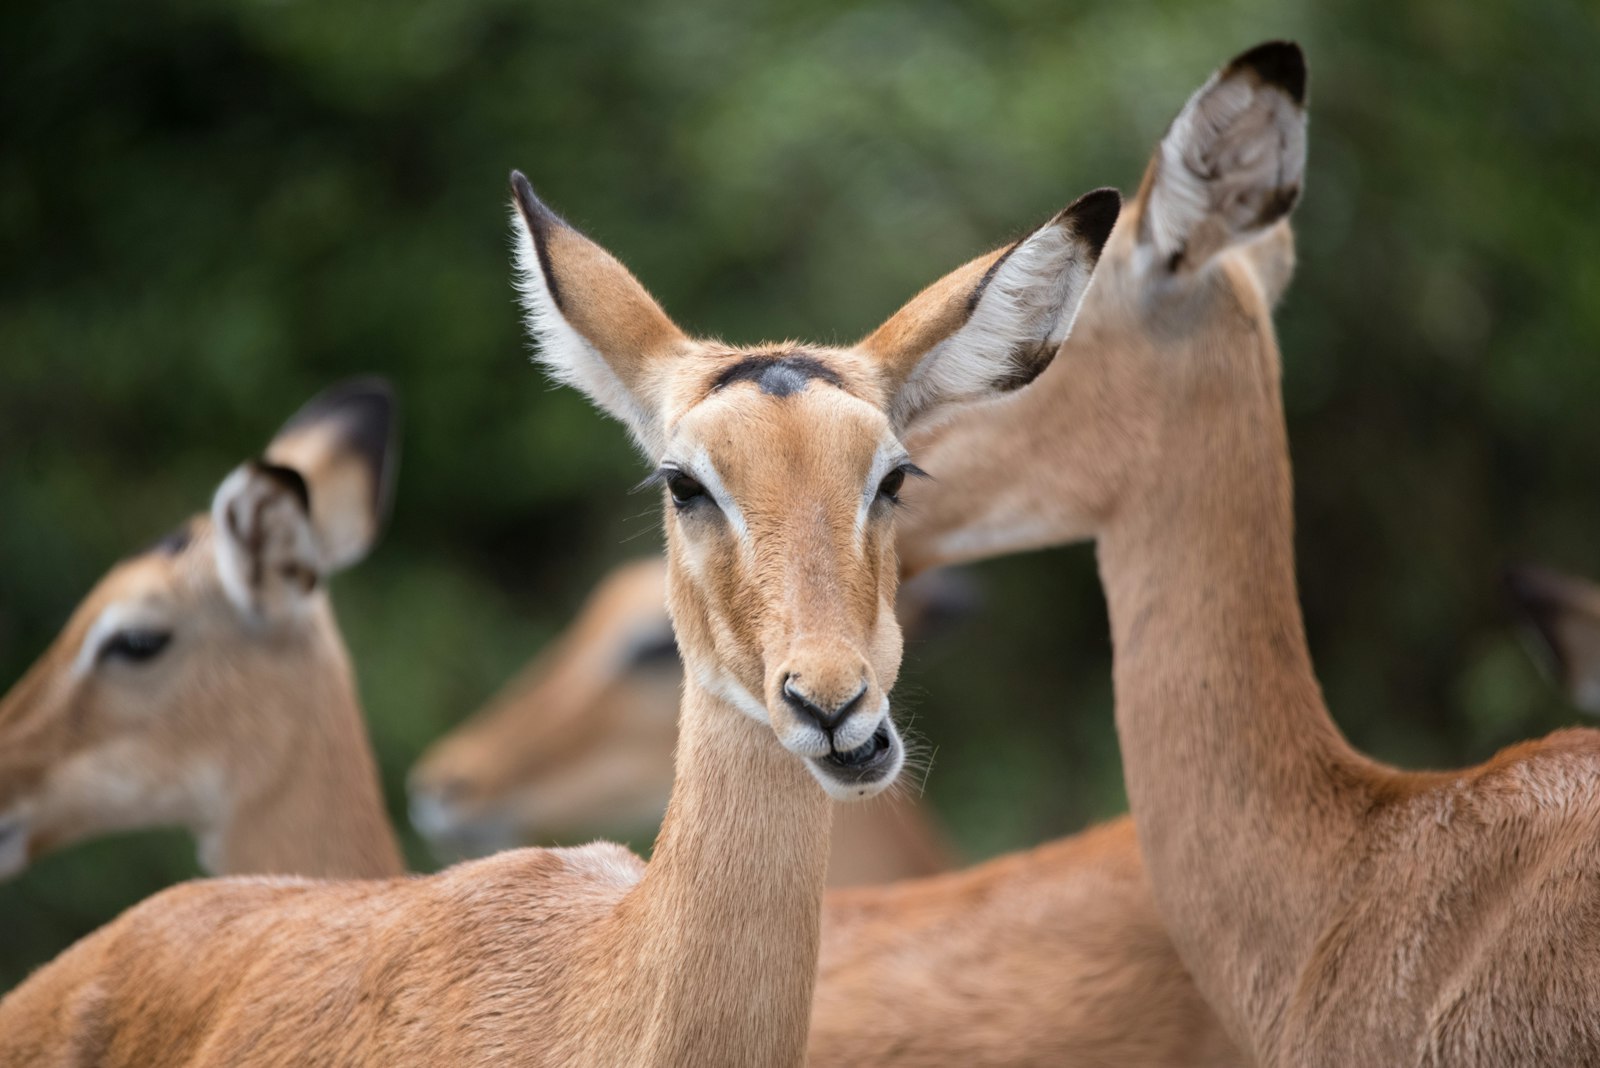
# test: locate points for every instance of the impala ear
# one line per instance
(595, 326)
(266, 549)
(993, 325)
(1562, 615)
(344, 444)
(313, 504)
(1232, 162)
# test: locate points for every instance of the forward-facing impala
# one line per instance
(203, 682)
(782, 467)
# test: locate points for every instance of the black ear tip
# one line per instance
(1093, 216)
(1279, 63)
(366, 411)
(528, 202)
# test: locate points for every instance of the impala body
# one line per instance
(781, 468)
(203, 682)
(1332, 910)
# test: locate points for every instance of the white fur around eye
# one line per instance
(125, 615)
(701, 469)
(890, 454)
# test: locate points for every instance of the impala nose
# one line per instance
(826, 711)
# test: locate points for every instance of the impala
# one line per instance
(1331, 909)
(1055, 955)
(781, 468)
(582, 739)
(203, 681)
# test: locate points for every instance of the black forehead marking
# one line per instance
(779, 374)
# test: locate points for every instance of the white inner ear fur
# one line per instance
(567, 354)
(1031, 300)
(262, 512)
(1236, 144)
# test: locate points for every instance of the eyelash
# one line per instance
(904, 471)
(683, 487)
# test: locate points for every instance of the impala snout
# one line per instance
(836, 716)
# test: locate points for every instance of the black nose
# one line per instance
(824, 717)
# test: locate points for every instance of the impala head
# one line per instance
(581, 739)
(781, 465)
(1180, 314)
(165, 694)
(1562, 614)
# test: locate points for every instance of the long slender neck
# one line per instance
(320, 811)
(1241, 786)
(722, 931)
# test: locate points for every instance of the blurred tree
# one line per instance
(215, 208)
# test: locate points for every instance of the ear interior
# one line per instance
(267, 553)
(597, 329)
(995, 324)
(343, 442)
(1562, 618)
(1233, 161)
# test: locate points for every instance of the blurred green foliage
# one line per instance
(212, 209)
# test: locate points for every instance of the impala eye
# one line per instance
(683, 488)
(889, 488)
(135, 646)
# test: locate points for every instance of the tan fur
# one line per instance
(581, 955)
(1047, 957)
(583, 736)
(246, 729)
(1334, 911)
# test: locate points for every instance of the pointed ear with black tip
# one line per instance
(595, 326)
(344, 444)
(266, 547)
(1562, 620)
(1232, 163)
(995, 324)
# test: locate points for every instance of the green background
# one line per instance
(210, 210)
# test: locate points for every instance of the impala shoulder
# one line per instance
(603, 862)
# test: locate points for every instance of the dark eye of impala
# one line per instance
(135, 646)
(890, 486)
(683, 488)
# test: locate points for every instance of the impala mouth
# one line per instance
(851, 774)
(865, 753)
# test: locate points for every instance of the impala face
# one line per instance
(781, 485)
(166, 693)
(781, 466)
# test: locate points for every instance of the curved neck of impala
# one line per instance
(730, 902)
(318, 811)
(1233, 766)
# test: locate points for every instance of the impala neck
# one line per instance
(723, 928)
(319, 810)
(1240, 784)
